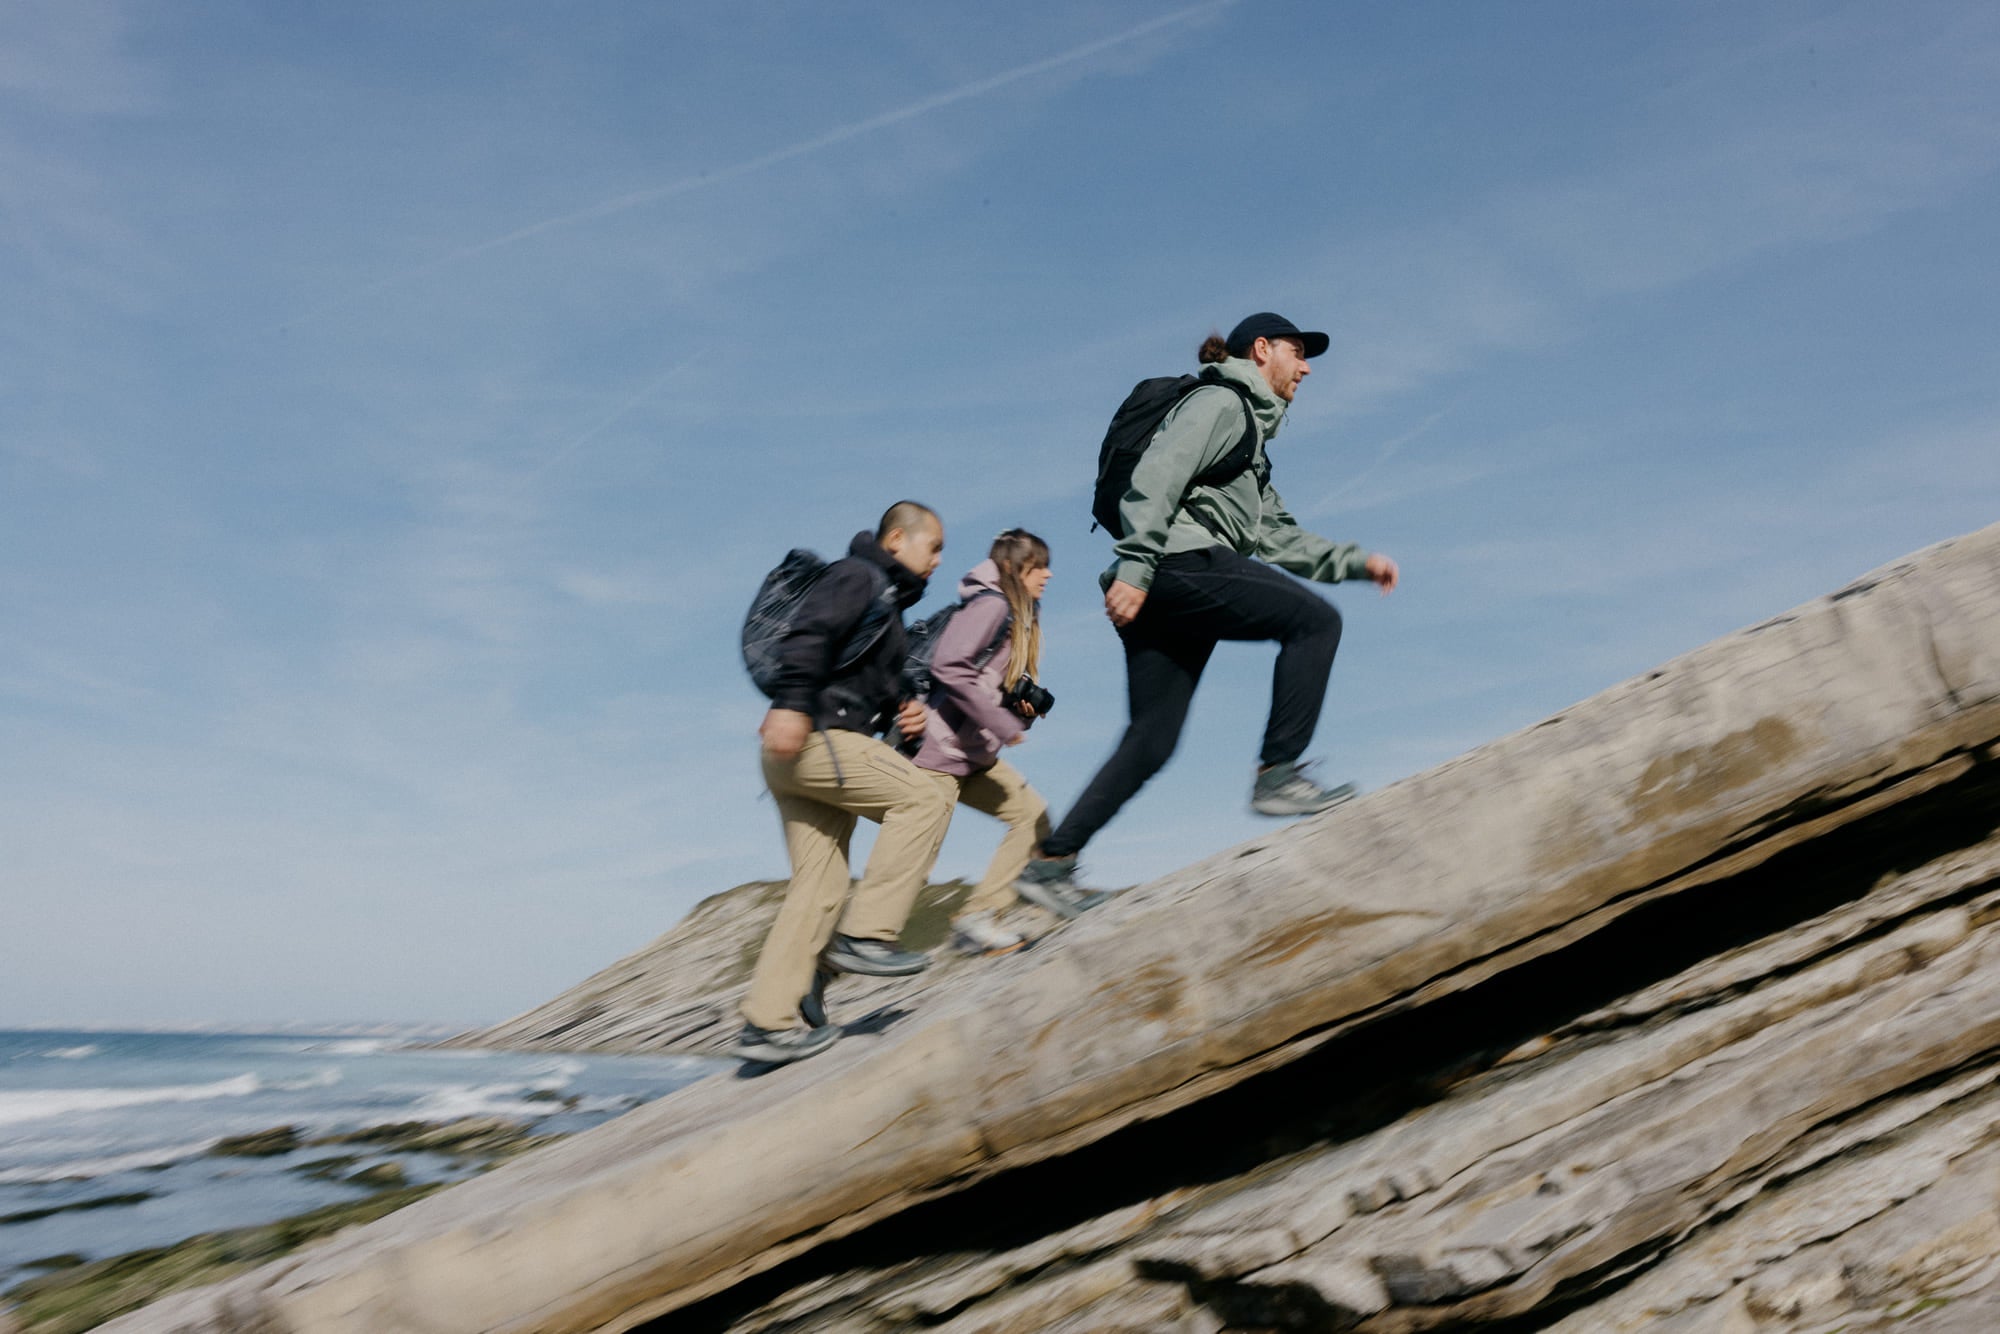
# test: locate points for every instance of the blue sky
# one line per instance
(401, 402)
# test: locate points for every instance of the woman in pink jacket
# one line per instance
(987, 647)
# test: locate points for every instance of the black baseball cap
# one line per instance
(1265, 324)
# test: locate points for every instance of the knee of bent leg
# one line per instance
(1319, 619)
(1153, 747)
(1028, 809)
(931, 803)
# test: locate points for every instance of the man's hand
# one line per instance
(1122, 602)
(911, 717)
(785, 732)
(1383, 571)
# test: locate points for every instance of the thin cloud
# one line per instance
(1389, 451)
(644, 393)
(687, 185)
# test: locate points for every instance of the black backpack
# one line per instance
(921, 641)
(776, 608)
(1135, 424)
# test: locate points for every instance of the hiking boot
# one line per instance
(1050, 884)
(1083, 900)
(1284, 789)
(979, 933)
(812, 1005)
(778, 1046)
(872, 958)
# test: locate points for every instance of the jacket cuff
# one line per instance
(797, 701)
(1354, 567)
(1136, 573)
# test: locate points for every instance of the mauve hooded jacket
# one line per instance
(968, 723)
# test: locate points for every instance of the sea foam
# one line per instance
(83, 1169)
(71, 1053)
(37, 1104)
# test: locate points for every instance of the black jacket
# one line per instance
(864, 696)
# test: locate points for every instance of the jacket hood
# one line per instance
(908, 584)
(981, 578)
(1267, 406)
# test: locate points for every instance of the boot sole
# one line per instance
(766, 1054)
(1045, 898)
(1282, 812)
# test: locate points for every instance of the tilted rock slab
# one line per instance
(1189, 984)
(1800, 1092)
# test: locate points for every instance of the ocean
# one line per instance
(130, 1119)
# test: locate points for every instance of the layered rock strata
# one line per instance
(1508, 1041)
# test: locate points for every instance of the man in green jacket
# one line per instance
(1195, 568)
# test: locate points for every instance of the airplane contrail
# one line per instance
(703, 180)
(633, 401)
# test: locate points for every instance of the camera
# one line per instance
(1027, 691)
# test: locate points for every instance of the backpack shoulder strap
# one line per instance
(1243, 454)
(1000, 631)
(874, 623)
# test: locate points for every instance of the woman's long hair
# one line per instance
(1017, 552)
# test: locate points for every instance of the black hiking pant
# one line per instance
(1198, 599)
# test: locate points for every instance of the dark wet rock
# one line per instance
(67, 1260)
(326, 1169)
(83, 1296)
(77, 1207)
(467, 1137)
(379, 1176)
(259, 1144)
(391, 1135)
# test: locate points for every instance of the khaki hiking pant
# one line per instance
(819, 804)
(1004, 794)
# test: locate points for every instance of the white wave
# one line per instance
(71, 1053)
(557, 1076)
(318, 1079)
(454, 1101)
(355, 1046)
(623, 1102)
(36, 1104)
(82, 1169)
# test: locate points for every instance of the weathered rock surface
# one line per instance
(679, 993)
(1680, 1010)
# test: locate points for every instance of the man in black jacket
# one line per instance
(825, 765)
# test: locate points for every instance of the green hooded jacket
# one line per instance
(1160, 510)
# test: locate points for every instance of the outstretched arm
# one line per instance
(1284, 544)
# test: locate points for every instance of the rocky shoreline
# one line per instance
(72, 1294)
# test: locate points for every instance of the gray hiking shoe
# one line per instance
(778, 1046)
(872, 958)
(1050, 884)
(1083, 900)
(979, 933)
(1284, 789)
